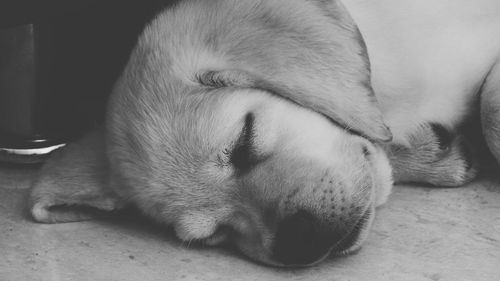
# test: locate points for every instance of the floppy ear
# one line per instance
(316, 59)
(73, 184)
(354, 111)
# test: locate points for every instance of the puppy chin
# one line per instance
(195, 226)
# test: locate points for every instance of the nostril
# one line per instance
(300, 240)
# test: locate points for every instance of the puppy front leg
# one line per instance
(435, 156)
(73, 185)
(490, 110)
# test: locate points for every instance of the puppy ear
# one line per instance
(73, 184)
(356, 111)
(316, 58)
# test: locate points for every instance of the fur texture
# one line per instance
(255, 122)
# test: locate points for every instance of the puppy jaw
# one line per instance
(200, 225)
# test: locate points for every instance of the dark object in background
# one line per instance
(58, 63)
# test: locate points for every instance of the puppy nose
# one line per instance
(301, 240)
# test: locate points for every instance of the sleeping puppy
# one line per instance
(255, 122)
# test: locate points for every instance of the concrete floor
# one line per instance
(421, 234)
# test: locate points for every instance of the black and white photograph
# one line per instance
(248, 140)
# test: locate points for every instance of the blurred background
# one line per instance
(58, 62)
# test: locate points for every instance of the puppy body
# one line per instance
(429, 58)
(431, 63)
(255, 122)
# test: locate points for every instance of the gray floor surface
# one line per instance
(421, 234)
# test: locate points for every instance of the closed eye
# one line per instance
(243, 155)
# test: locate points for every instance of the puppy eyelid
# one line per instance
(366, 151)
(243, 155)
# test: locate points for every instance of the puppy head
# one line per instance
(240, 134)
(282, 182)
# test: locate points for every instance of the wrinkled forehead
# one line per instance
(219, 112)
(220, 115)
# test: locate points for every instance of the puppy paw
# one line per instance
(45, 210)
(436, 156)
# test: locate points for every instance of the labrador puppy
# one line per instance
(256, 122)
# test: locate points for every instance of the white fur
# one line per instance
(428, 57)
(202, 67)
